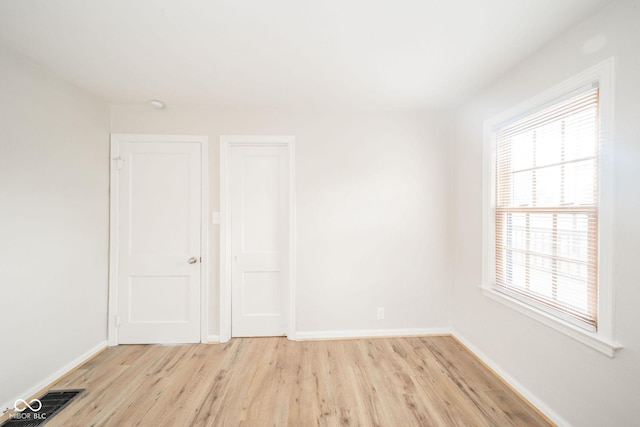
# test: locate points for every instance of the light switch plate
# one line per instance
(215, 218)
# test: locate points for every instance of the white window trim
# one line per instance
(601, 340)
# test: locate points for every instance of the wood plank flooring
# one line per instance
(422, 381)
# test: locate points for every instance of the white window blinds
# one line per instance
(546, 210)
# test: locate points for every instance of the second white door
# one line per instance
(259, 240)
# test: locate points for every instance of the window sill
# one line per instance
(590, 339)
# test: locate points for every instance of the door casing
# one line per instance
(116, 139)
(226, 142)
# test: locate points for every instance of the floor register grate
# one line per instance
(38, 411)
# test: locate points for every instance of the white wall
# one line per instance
(584, 387)
(53, 225)
(372, 209)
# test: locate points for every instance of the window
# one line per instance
(545, 220)
(546, 210)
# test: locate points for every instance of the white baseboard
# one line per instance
(212, 339)
(31, 391)
(513, 383)
(368, 333)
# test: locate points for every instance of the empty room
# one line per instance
(332, 213)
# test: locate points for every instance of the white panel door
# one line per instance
(159, 216)
(259, 224)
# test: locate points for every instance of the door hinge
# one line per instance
(119, 162)
(116, 320)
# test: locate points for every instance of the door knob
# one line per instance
(192, 260)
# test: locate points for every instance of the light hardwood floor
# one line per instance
(422, 381)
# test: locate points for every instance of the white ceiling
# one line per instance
(285, 53)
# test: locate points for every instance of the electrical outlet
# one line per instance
(380, 313)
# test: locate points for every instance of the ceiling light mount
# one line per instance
(158, 105)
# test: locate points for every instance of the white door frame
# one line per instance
(116, 139)
(226, 142)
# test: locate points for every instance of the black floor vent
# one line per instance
(35, 414)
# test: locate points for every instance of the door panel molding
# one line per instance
(114, 197)
(226, 142)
